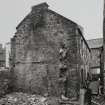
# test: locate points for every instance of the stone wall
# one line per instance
(36, 54)
(2, 56)
(96, 52)
(83, 59)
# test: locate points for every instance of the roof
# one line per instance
(95, 43)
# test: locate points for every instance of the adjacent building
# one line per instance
(96, 46)
(49, 54)
(2, 56)
(97, 60)
(7, 54)
(83, 59)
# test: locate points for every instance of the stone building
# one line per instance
(49, 54)
(97, 65)
(7, 51)
(96, 51)
(2, 56)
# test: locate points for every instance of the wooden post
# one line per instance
(82, 96)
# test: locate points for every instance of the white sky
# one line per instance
(87, 13)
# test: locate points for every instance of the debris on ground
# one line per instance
(23, 99)
(98, 100)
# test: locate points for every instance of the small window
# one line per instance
(96, 71)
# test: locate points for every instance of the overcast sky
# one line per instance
(87, 13)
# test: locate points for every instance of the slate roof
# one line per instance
(95, 43)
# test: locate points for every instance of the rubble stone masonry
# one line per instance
(35, 59)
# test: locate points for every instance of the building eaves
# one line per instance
(80, 31)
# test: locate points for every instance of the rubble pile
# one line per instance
(4, 86)
(100, 100)
(22, 99)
